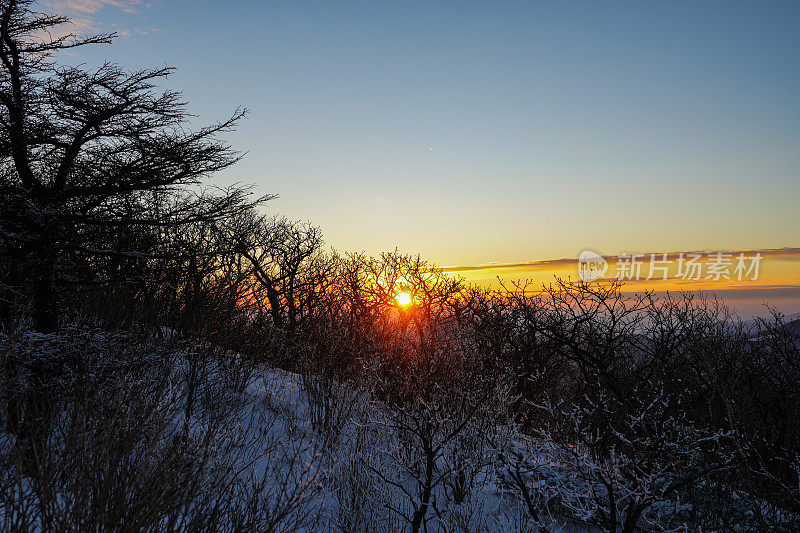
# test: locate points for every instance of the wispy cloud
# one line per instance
(549, 264)
(84, 14)
(90, 7)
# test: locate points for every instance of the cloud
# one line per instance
(83, 13)
(549, 264)
(89, 7)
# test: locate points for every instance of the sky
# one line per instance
(498, 133)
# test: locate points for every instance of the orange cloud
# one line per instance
(549, 264)
(778, 280)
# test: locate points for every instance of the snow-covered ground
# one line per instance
(165, 436)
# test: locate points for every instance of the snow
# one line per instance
(314, 455)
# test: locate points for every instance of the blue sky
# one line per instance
(474, 132)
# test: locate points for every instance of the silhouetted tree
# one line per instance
(88, 154)
(287, 263)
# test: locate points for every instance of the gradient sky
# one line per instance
(479, 132)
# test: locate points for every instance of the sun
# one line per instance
(403, 298)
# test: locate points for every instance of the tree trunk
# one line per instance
(45, 296)
(36, 403)
(419, 515)
(275, 306)
(634, 512)
(10, 290)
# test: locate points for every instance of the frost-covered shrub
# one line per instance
(112, 441)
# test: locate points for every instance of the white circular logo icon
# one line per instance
(591, 266)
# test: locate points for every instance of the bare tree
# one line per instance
(432, 394)
(286, 261)
(85, 153)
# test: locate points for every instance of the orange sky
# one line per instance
(777, 282)
(486, 132)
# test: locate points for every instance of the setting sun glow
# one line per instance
(403, 299)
